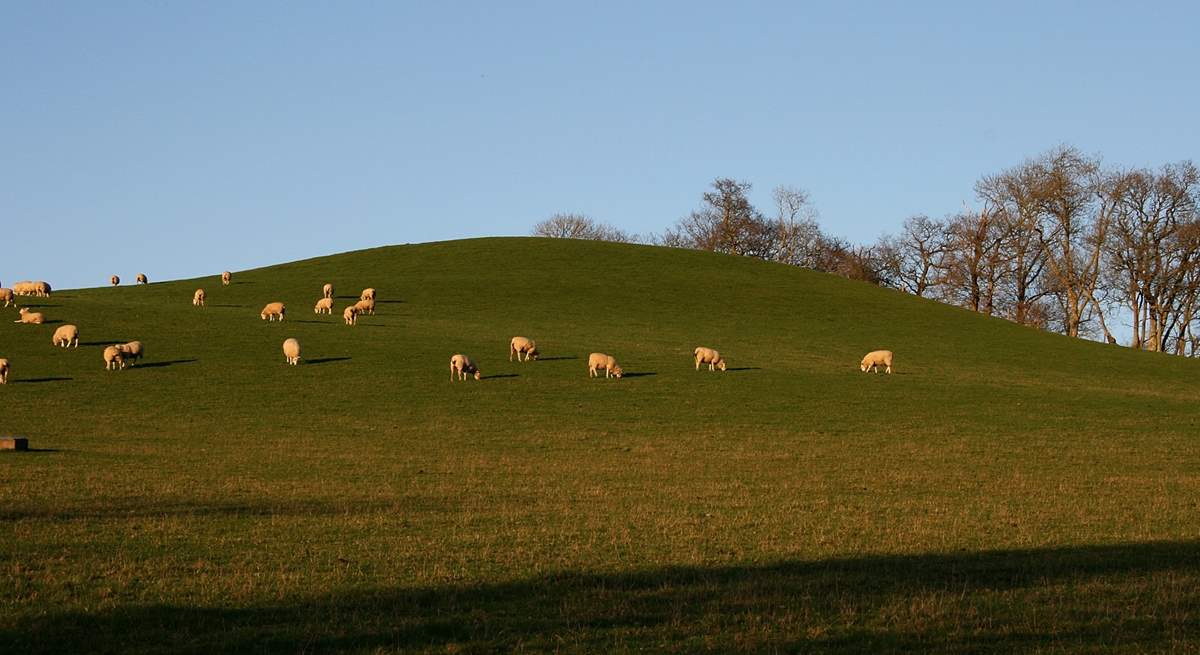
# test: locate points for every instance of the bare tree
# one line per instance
(973, 263)
(726, 222)
(797, 232)
(1014, 193)
(579, 226)
(914, 258)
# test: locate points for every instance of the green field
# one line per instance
(1006, 490)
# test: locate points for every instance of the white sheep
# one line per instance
(114, 280)
(24, 288)
(520, 345)
(607, 362)
(461, 365)
(291, 351)
(4, 371)
(875, 359)
(226, 277)
(32, 318)
(365, 306)
(7, 296)
(131, 352)
(324, 306)
(328, 290)
(198, 298)
(273, 310)
(41, 289)
(350, 314)
(367, 294)
(113, 359)
(710, 357)
(66, 335)
(141, 279)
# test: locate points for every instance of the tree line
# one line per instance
(1059, 242)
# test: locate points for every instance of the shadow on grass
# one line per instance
(233, 306)
(992, 602)
(643, 374)
(54, 321)
(108, 342)
(499, 376)
(40, 380)
(732, 369)
(310, 320)
(325, 360)
(171, 362)
(556, 359)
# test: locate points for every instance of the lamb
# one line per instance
(32, 318)
(291, 351)
(141, 279)
(66, 335)
(198, 298)
(367, 294)
(131, 352)
(273, 310)
(113, 358)
(365, 306)
(710, 357)
(328, 290)
(114, 280)
(462, 365)
(875, 359)
(606, 362)
(324, 306)
(3, 371)
(350, 314)
(519, 345)
(225, 277)
(7, 296)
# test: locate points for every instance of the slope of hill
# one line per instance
(1005, 489)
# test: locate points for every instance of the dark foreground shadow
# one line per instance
(40, 380)
(1054, 599)
(163, 364)
(638, 375)
(499, 376)
(325, 360)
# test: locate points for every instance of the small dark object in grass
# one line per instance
(14, 443)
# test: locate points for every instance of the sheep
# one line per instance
(141, 279)
(291, 351)
(462, 365)
(350, 314)
(519, 345)
(66, 335)
(874, 359)
(23, 288)
(7, 296)
(41, 289)
(272, 310)
(4, 371)
(606, 362)
(328, 290)
(367, 294)
(365, 306)
(32, 318)
(131, 352)
(114, 280)
(113, 358)
(198, 298)
(324, 306)
(710, 357)
(225, 277)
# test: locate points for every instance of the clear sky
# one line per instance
(184, 138)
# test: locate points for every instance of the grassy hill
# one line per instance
(1006, 489)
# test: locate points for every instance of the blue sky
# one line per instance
(181, 139)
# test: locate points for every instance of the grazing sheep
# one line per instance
(141, 279)
(33, 318)
(606, 362)
(875, 359)
(367, 294)
(324, 306)
(23, 288)
(291, 351)
(41, 289)
(520, 345)
(113, 359)
(114, 280)
(461, 365)
(328, 290)
(225, 277)
(198, 298)
(366, 306)
(350, 314)
(131, 352)
(7, 296)
(710, 357)
(3, 371)
(272, 310)
(66, 335)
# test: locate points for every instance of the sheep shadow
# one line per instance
(743, 368)
(41, 380)
(171, 362)
(53, 322)
(102, 342)
(499, 376)
(326, 360)
(309, 320)
(555, 359)
(638, 375)
(389, 302)
(230, 306)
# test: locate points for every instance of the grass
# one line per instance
(1005, 490)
